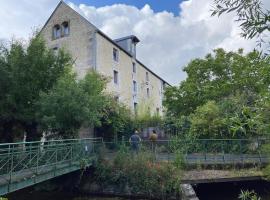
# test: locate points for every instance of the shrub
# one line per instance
(140, 174)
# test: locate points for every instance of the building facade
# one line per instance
(131, 82)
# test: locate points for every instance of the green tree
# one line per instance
(254, 19)
(207, 121)
(71, 104)
(217, 76)
(116, 121)
(26, 71)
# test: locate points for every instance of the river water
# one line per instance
(231, 191)
(55, 196)
(213, 191)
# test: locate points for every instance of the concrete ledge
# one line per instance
(188, 192)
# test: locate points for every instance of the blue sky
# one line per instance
(167, 42)
(156, 5)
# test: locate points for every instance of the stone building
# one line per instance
(131, 82)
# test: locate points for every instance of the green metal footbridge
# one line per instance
(28, 163)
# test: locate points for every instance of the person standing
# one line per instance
(153, 138)
(134, 141)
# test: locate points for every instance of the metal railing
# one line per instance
(26, 163)
(205, 151)
(34, 162)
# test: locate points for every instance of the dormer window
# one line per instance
(65, 28)
(56, 31)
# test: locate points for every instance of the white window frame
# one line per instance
(65, 28)
(56, 31)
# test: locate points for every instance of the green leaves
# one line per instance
(248, 195)
(26, 72)
(71, 104)
(225, 95)
(217, 76)
(253, 18)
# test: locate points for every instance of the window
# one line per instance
(115, 55)
(148, 92)
(116, 98)
(115, 77)
(55, 50)
(147, 76)
(157, 110)
(56, 31)
(65, 29)
(135, 107)
(134, 67)
(134, 86)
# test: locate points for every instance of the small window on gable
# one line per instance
(56, 31)
(65, 28)
(115, 77)
(115, 55)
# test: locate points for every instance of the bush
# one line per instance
(248, 195)
(140, 174)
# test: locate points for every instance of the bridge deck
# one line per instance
(25, 164)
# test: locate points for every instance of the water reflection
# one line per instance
(213, 191)
(32, 195)
(231, 191)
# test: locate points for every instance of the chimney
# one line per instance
(129, 44)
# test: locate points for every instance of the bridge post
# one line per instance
(223, 154)
(11, 166)
(241, 152)
(260, 157)
(205, 141)
(38, 149)
(71, 154)
(56, 158)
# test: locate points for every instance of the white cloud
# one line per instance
(168, 42)
(21, 18)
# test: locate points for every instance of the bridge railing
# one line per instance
(203, 150)
(29, 159)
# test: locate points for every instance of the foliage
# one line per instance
(140, 174)
(26, 71)
(144, 118)
(207, 121)
(254, 20)
(248, 195)
(217, 76)
(224, 96)
(71, 104)
(116, 121)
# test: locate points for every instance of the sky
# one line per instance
(156, 5)
(171, 32)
